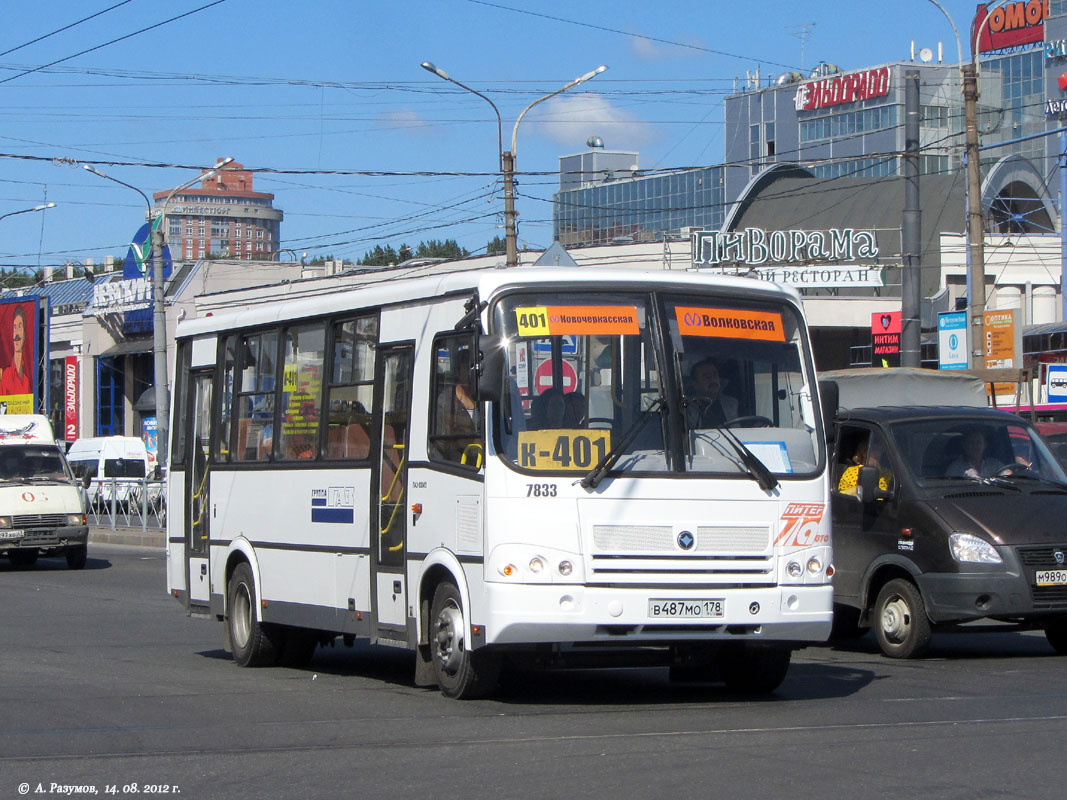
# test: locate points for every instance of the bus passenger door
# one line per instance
(197, 506)
(389, 516)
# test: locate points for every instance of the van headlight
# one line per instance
(971, 549)
(5, 522)
(75, 519)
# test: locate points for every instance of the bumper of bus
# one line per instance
(561, 614)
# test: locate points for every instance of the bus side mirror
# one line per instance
(829, 396)
(491, 374)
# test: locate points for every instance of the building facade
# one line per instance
(223, 218)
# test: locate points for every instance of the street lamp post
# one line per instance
(41, 207)
(154, 257)
(507, 157)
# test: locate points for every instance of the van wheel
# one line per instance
(754, 668)
(462, 674)
(900, 623)
(255, 644)
(21, 559)
(76, 557)
(1056, 633)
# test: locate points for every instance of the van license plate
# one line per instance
(686, 609)
(11, 534)
(1051, 577)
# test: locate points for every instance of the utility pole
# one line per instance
(975, 228)
(511, 245)
(911, 231)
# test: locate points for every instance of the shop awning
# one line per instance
(129, 347)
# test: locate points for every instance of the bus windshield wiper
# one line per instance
(756, 468)
(597, 473)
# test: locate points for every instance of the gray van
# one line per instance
(942, 515)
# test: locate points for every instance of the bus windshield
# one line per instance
(678, 383)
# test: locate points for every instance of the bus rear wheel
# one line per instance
(254, 644)
(461, 674)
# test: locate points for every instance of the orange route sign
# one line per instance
(730, 323)
(577, 320)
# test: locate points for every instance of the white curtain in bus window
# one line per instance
(305, 349)
(257, 360)
(351, 389)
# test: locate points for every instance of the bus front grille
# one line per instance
(657, 539)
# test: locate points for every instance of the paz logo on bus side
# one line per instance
(335, 504)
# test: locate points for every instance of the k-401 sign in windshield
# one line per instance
(576, 320)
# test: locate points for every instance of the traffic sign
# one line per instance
(543, 377)
(1056, 383)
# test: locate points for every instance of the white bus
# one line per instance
(495, 465)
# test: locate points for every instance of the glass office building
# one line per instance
(639, 209)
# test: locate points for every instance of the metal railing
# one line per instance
(128, 503)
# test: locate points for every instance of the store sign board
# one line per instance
(117, 297)
(837, 90)
(70, 398)
(1003, 339)
(826, 276)
(885, 338)
(1011, 25)
(756, 247)
(952, 340)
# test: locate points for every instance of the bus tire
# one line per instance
(461, 674)
(900, 623)
(254, 644)
(76, 556)
(752, 668)
(22, 559)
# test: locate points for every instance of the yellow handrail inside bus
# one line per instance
(400, 500)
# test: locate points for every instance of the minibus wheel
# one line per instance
(20, 559)
(76, 556)
(1056, 633)
(254, 644)
(900, 623)
(462, 674)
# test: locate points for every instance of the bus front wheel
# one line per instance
(462, 674)
(255, 644)
(752, 668)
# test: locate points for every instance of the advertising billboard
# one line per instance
(19, 349)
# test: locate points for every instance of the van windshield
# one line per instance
(982, 448)
(32, 462)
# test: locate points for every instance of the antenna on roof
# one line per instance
(802, 32)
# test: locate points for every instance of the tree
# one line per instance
(384, 256)
(496, 247)
(435, 249)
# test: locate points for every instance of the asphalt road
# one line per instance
(105, 683)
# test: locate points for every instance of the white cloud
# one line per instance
(406, 119)
(571, 120)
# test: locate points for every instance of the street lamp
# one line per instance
(156, 242)
(507, 157)
(41, 207)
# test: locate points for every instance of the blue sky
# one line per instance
(321, 87)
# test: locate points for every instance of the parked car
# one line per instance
(116, 465)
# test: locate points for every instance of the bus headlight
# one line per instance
(794, 569)
(565, 568)
(537, 566)
(522, 563)
(814, 565)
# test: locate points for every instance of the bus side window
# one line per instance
(456, 431)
